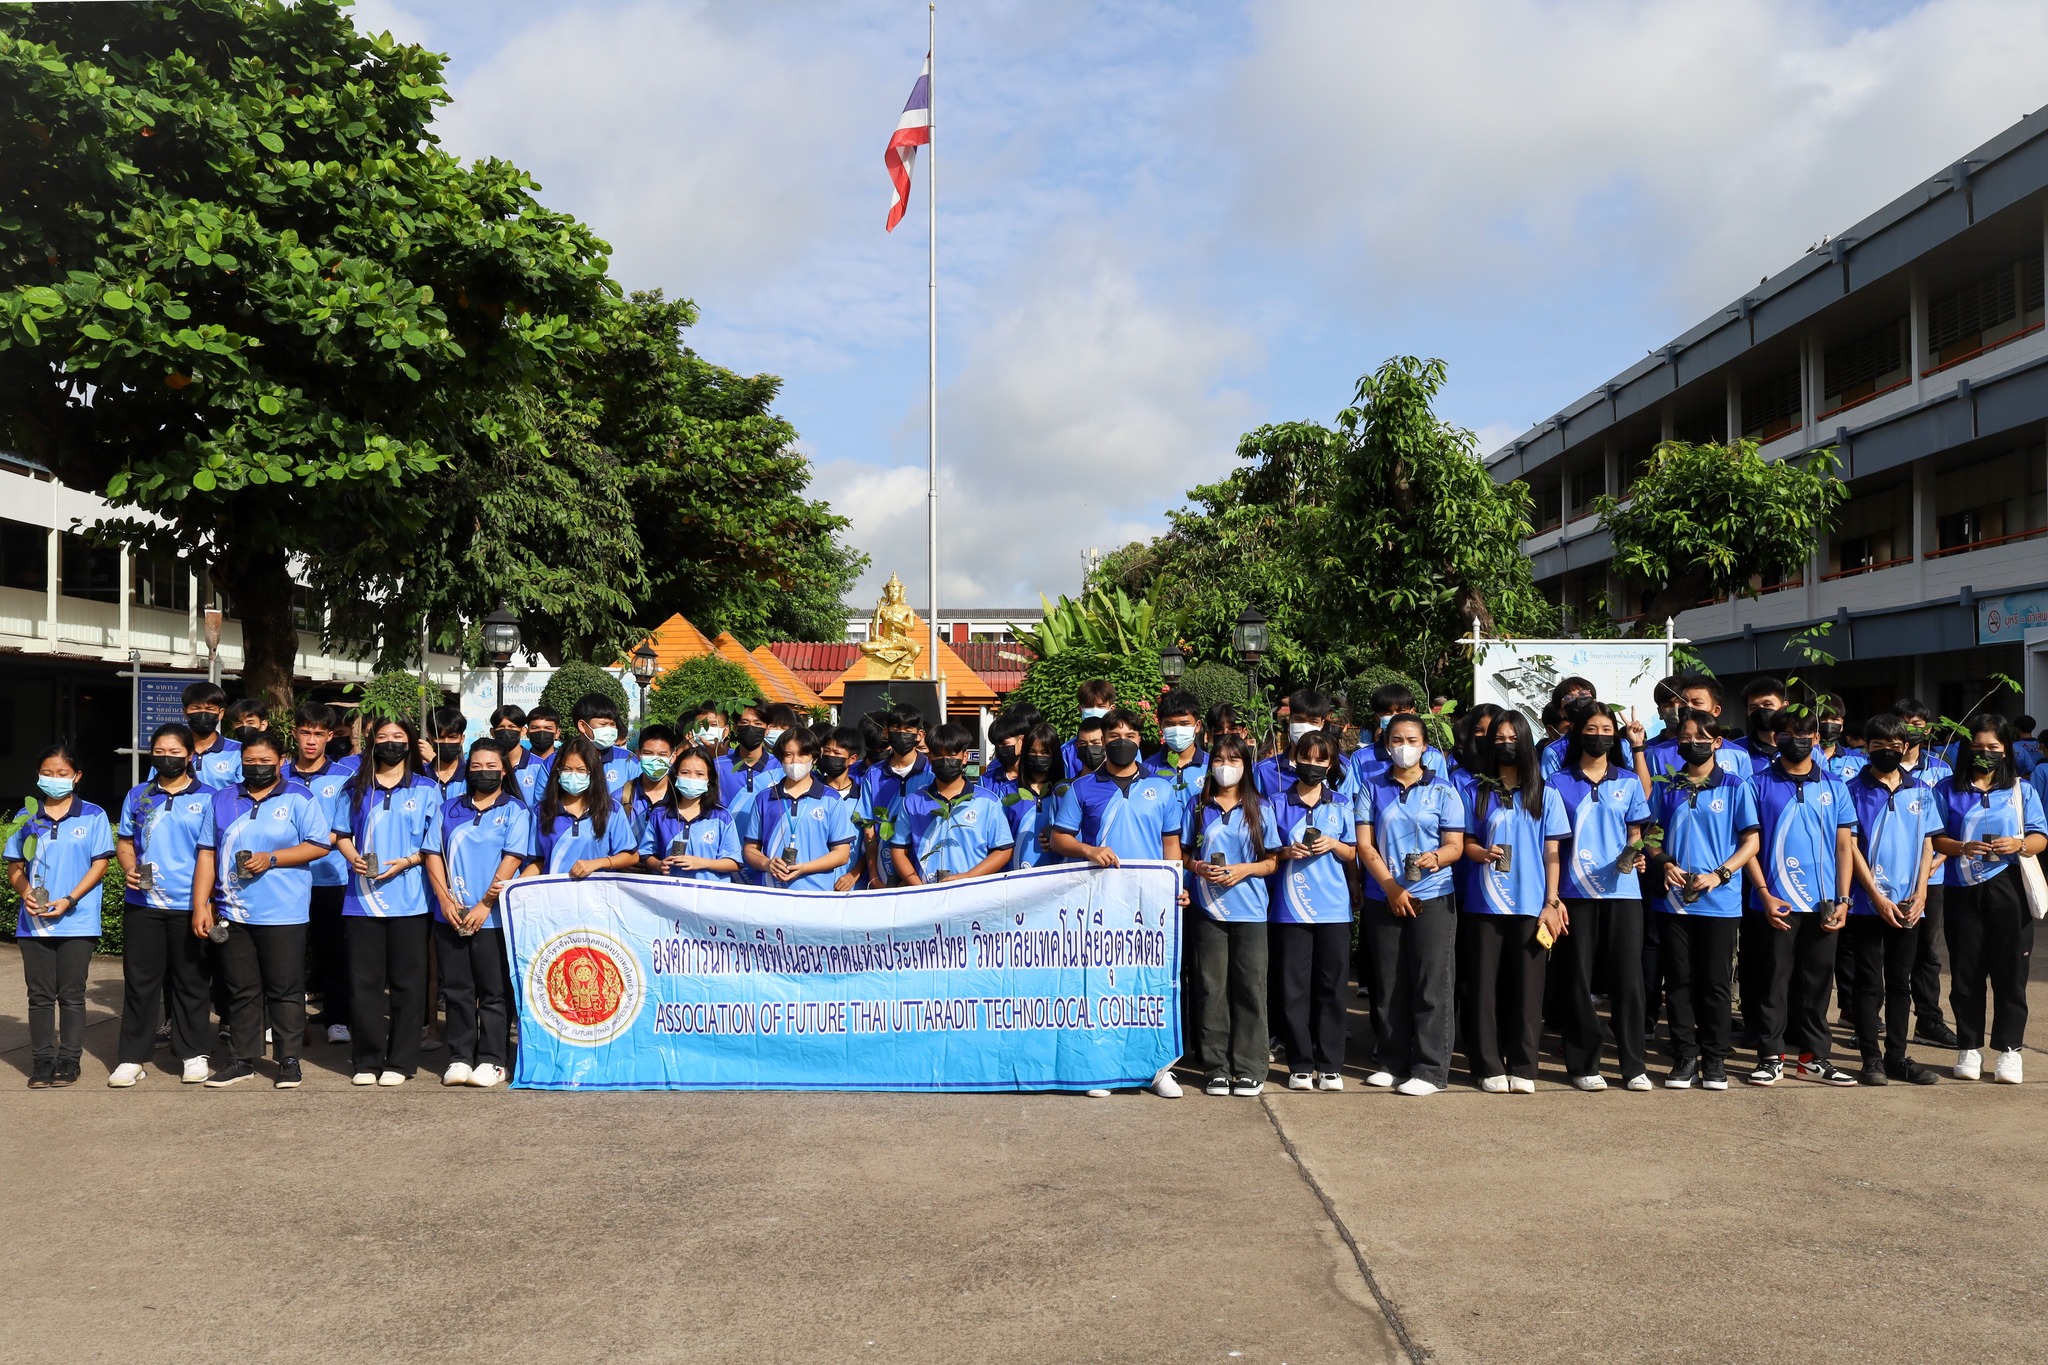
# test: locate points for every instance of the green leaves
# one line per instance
(271, 141)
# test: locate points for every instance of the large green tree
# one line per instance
(244, 290)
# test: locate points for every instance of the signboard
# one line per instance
(159, 700)
(2006, 619)
(523, 687)
(1521, 673)
(1052, 978)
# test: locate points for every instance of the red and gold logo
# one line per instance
(586, 987)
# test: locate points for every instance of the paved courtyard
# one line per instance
(172, 1223)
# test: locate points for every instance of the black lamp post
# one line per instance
(645, 662)
(501, 642)
(1172, 663)
(1249, 639)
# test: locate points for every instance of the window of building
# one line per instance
(1586, 485)
(163, 584)
(1872, 364)
(1874, 529)
(1994, 308)
(88, 570)
(1770, 407)
(1549, 505)
(1991, 501)
(24, 556)
(307, 612)
(1701, 426)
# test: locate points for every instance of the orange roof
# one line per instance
(966, 691)
(772, 687)
(675, 641)
(773, 666)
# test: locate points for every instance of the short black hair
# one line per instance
(782, 714)
(316, 714)
(1885, 725)
(847, 737)
(1761, 687)
(1573, 684)
(1098, 723)
(515, 714)
(594, 706)
(661, 734)
(248, 708)
(951, 738)
(1797, 720)
(2025, 725)
(1912, 708)
(1708, 724)
(1667, 688)
(1096, 692)
(446, 720)
(800, 735)
(1221, 716)
(1123, 715)
(905, 718)
(203, 693)
(1701, 682)
(1309, 703)
(544, 712)
(172, 729)
(1391, 697)
(1179, 702)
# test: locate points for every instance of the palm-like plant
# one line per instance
(1101, 622)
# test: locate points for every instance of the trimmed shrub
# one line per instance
(1214, 684)
(572, 681)
(692, 683)
(392, 696)
(1050, 683)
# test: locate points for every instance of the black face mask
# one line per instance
(1009, 753)
(1035, 765)
(1091, 755)
(1507, 751)
(341, 746)
(1757, 721)
(541, 740)
(1795, 748)
(902, 742)
(946, 769)
(244, 734)
(1916, 734)
(1887, 760)
(390, 751)
(507, 736)
(1984, 761)
(1831, 732)
(832, 765)
(1121, 751)
(448, 753)
(485, 782)
(203, 722)
(1311, 774)
(1695, 751)
(259, 775)
(1596, 746)
(750, 736)
(169, 767)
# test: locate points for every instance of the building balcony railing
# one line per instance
(1866, 568)
(1968, 356)
(1988, 543)
(1866, 398)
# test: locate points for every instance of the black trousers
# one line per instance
(163, 973)
(1414, 968)
(476, 983)
(1502, 968)
(1229, 981)
(329, 951)
(1794, 969)
(265, 968)
(1605, 938)
(1653, 964)
(1755, 962)
(1927, 963)
(387, 964)
(1883, 973)
(54, 971)
(1990, 937)
(1699, 967)
(1315, 965)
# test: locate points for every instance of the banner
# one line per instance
(1519, 674)
(1052, 978)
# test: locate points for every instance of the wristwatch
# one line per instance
(1724, 874)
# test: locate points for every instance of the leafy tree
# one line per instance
(1707, 520)
(242, 287)
(1215, 684)
(575, 680)
(394, 695)
(1050, 685)
(694, 682)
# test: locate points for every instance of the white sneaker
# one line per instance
(1492, 1085)
(487, 1075)
(458, 1073)
(1591, 1084)
(1165, 1086)
(125, 1075)
(196, 1070)
(363, 1078)
(1969, 1064)
(1381, 1080)
(337, 1033)
(2008, 1072)
(1330, 1080)
(1415, 1085)
(1521, 1085)
(1640, 1081)
(392, 1078)
(1301, 1080)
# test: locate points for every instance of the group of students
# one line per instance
(1637, 865)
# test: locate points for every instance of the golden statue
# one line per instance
(891, 649)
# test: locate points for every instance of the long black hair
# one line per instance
(1465, 735)
(364, 779)
(597, 795)
(1528, 771)
(2006, 774)
(1576, 717)
(672, 799)
(1045, 736)
(1222, 749)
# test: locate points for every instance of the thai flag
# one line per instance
(913, 130)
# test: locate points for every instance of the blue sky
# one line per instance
(1163, 224)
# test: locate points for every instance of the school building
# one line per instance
(1912, 343)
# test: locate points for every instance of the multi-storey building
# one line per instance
(1912, 343)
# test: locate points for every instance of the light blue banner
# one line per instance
(1053, 978)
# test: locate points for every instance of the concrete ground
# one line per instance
(172, 1223)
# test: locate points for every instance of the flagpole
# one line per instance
(931, 191)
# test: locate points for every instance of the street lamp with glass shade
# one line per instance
(1172, 663)
(645, 664)
(501, 642)
(1248, 638)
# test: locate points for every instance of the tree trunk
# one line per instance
(260, 584)
(1673, 598)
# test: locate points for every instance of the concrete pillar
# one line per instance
(1916, 329)
(52, 586)
(1669, 417)
(127, 640)
(1734, 419)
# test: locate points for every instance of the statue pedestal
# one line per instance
(927, 696)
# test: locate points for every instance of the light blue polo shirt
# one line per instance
(388, 824)
(1701, 828)
(326, 783)
(1367, 764)
(1799, 818)
(1185, 780)
(1130, 818)
(1407, 820)
(818, 821)
(1507, 823)
(166, 828)
(1311, 890)
(291, 815)
(220, 766)
(64, 850)
(740, 786)
(1892, 828)
(949, 837)
(711, 835)
(1665, 762)
(1969, 815)
(1211, 834)
(1623, 755)
(473, 844)
(561, 843)
(1030, 820)
(1599, 815)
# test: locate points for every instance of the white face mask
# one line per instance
(1228, 774)
(604, 736)
(1092, 712)
(1297, 728)
(1406, 755)
(1179, 738)
(708, 735)
(796, 770)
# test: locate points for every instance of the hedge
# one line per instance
(693, 683)
(575, 680)
(1050, 684)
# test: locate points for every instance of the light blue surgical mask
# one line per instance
(56, 788)
(770, 737)
(1093, 712)
(575, 783)
(693, 787)
(1179, 738)
(653, 768)
(604, 736)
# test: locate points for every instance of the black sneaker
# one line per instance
(1218, 1084)
(1872, 1073)
(1683, 1075)
(1936, 1033)
(67, 1074)
(1911, 1072)
(288, 1077)
(1713, 1074)
(1827, 1073)
(43, 1076)
(224, 1076)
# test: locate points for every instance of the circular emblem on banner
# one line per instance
(585, 986)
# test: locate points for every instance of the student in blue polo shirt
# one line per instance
(901, 771)
(56, 858)
(1925, 766)
(1371, 758)
(386, 821)
(486, 835)
(1095, 698)
(1411, 832)
(1799, 894)
(1006, 742)
(800, 832)
(1989, 818)
(578, 829)
(1834, 753)
(543, 741)
(1223, 839)
(162, 963)
(690, 834)
(837, 751)
(1308, 712)
(597, 716)
(252, 890)
(1029, 808)
(1896, 821)
(1565, 695)
(707, 729)
(1180, 759)
(445, 762)
(655, 755)
(2026, 750)
(1314, 837)
(1696, 692)
(1513, 831)
(949, 830)
(748, 768)
(313, 728)
(214, 760)
(1710, 826)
